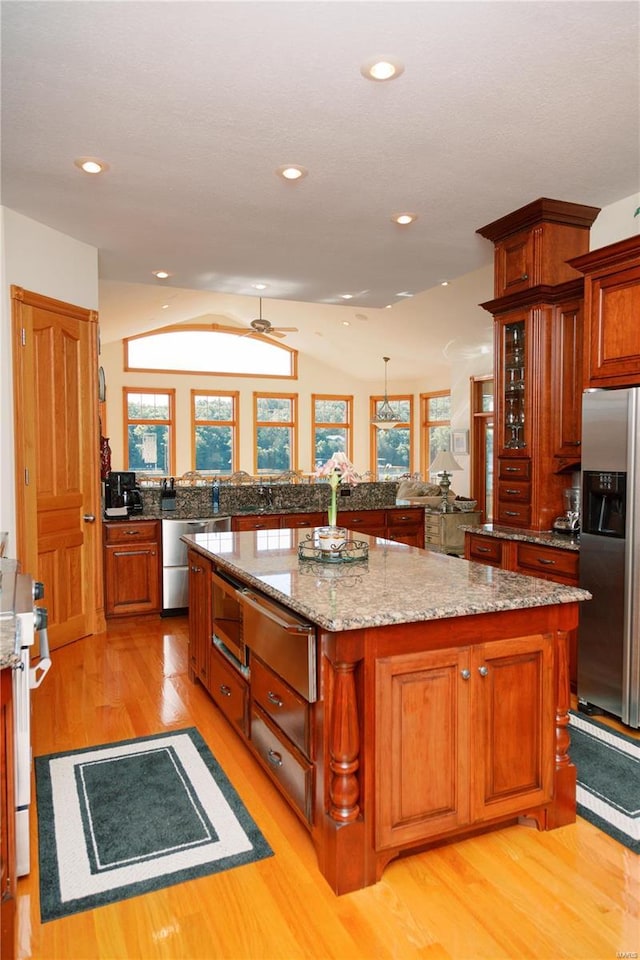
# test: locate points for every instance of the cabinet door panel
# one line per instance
(132, 579)
(615, 333)
(421, 733)
(514, 701)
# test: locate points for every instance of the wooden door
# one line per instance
(513, 703)
(57, 459)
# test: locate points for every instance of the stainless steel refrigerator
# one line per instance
(609, 630)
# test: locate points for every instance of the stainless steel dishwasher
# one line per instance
(175, 578)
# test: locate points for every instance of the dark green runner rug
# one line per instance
(608, 790)
(122, 819)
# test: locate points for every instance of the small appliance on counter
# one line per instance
(569, 522)
(122, 496)
(168, 495)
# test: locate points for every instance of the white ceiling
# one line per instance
(195, 104)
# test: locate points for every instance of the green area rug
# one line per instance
(608, 789)
(122, 819)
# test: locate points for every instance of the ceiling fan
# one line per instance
(262, 326)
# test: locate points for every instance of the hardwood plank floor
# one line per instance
(569, 893)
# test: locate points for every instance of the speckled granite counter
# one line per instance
(8, 656)
(545, 537)
(396, 584)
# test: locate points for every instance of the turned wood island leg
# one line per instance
(344, 747)
(563, 809)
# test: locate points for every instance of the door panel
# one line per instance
(57, 443)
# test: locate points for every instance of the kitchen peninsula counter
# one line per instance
(442, 695)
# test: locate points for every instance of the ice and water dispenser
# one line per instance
(604, 501)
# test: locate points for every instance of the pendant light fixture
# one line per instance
(386, 418)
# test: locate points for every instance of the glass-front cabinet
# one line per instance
(513, 385)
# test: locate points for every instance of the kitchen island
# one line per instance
(436, 696)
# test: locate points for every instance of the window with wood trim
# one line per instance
(482, 435)
(149, 431)
(392, 450)
(436, 427)
(275, 418)
(214, 431)
(332, 429)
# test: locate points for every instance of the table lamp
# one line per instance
(443, 464)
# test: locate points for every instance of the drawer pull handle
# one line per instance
(465, 674)
(546, 561)
(274, 758)
(483, 549)
(512, 513)
(132, 533)
(274, 699)
(483, 671)
(514, 493)
(196, 569)
(512, 469)
(225, 690)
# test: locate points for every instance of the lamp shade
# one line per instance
(444, 461)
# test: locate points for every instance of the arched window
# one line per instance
(214, 349)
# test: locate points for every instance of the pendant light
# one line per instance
(386, 417)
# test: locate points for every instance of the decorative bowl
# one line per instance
(465, 505)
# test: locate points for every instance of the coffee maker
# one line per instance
(122, 492)
(569, 522)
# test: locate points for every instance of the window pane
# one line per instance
(393, 451)
(208, 351)
(273, 409)
(330, 411)
(439, 408)
(147, 406)
(214, 449)
(213, 408)
(274, 449)
(329, 440)
(148, 449)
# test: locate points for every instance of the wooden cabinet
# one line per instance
(534, 560)
(229, 690)
(443, 530)
(538, 356)
(405, 525)
(132, 567)
(492, 706)
(7, 818)
(200, 616)
(612, 308)
(533, 244)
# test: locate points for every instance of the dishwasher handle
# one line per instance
(268, 610)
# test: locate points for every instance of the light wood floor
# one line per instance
(514, 893)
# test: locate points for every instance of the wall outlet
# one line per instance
(345, 491)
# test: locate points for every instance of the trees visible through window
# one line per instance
(275, 419)
(214, 431)
(436, 426)
(149, 426)
(332, 427)
(392, 450)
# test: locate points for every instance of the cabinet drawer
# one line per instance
(514, 469)
(304, 520)
(514, 515)
(290, 770)
(509, 490)
(286, 708)
(354, 519)
(228, 690)
(130, 531)
(549, 562)
(485, 549)
(255, 522)
(405, 518)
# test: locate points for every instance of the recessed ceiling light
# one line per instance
(345, 323)
(91, 165)
(161, 274)
(381, 68)
(404, 293)
(165, 306)
(388, 306)
(259, 286)
(347, 296)
(444, 283)
(291, 171)
(404, 218)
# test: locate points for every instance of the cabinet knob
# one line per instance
(225, 690)
(465, 674)
(483, 671)
(525, 276)
(89, 518)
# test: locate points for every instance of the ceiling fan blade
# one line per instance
(275, 332)
(286, 329)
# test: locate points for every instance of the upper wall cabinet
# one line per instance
(532, 244)
(612, 312)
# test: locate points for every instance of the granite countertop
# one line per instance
(8, 656)
(187, 512)
(545, 537)
(396, 584)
